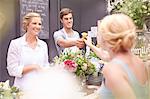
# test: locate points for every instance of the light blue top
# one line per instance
(141, 91)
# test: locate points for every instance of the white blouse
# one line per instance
(20, 54)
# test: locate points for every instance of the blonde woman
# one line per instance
(125, 75)
(27, 54)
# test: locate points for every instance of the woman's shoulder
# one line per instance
(41, 42)
(16, 41)
(112, 68)
(113, 74)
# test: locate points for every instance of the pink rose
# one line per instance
(70, 65)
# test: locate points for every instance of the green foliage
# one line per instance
(8, 92)
(138, 10)
(93, 55)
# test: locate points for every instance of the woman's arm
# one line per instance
(104, 55)
(29, 68)
(13, 66)
(13, 62)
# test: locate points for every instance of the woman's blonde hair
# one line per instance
(27, 19)
(119, 31)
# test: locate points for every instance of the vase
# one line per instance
(147, 24)
(83, 81)
(95, 80)
(147, 36)
(142, 46)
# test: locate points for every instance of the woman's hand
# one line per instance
(102, 54)
(88, 42)
(32, 67)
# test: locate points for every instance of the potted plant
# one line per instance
(138, 10)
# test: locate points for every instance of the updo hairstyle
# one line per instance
(27, 19)
(118, 31)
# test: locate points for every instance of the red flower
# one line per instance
(70, 65)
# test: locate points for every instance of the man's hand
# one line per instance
(80, 43)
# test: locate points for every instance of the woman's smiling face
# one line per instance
(34, 26)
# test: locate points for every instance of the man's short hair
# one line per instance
(65, 11)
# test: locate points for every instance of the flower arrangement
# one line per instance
(76, 62)
(7, 92)
(138, 10)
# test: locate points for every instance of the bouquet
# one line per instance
(7, 92)
(76, 62)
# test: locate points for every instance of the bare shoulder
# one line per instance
(112, 70)
(113, 75)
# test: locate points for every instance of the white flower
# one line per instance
(5, 85)
(84, 67)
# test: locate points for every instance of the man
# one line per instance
(66, 38)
